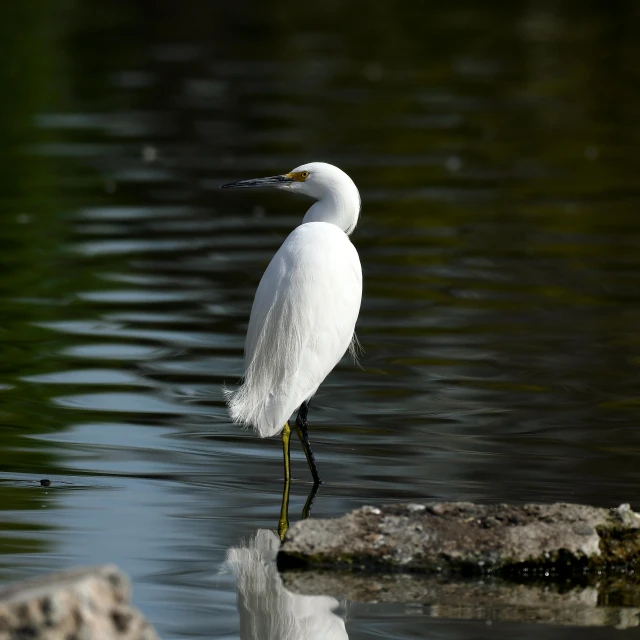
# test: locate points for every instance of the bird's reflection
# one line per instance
(267, 610)
(283, 522)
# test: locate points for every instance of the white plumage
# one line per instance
(307, 303)
(302, 322)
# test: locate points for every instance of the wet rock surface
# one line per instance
(466, 539)
(91, 602)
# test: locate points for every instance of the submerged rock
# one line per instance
(91, 602)
(466, 539)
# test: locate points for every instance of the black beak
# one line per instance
(272, 181)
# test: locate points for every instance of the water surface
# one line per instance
(496, 154)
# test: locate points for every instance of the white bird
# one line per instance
(305, 309)
(267, 610)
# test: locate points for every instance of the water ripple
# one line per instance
(128, 403)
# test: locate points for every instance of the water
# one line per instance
(496, 153)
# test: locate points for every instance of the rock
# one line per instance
(92, 602)
(466, 539)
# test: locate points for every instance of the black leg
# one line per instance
(306, 511)
(301, 428)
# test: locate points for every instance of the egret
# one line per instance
(305, 309)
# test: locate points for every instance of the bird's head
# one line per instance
(337, 195)
(314, 179)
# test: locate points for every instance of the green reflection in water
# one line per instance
(32, 76)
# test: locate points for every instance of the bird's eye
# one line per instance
(304, 174)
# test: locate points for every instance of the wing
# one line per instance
(302, 321)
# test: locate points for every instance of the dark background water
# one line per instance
(495, 147)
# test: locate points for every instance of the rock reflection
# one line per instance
(612, 602)
(267, 610)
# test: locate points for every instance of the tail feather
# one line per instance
(267, 416)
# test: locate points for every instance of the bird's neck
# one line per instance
(339, 207)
